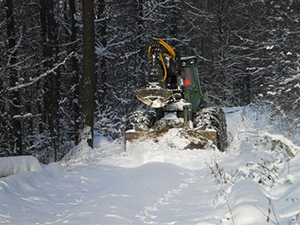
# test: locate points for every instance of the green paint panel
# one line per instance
(192, 90)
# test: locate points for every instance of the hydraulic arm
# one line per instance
(155, 94)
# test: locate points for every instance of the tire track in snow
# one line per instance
(147, 216)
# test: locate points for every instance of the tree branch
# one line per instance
(36, 79)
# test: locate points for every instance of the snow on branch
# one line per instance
(292, 79)
(36, 79)
(154, 8)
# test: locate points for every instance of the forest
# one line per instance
(69, 63)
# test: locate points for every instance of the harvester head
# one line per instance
(155, 97)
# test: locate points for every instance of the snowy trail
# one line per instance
(154, 189)
(170, 209)
(154, 184)
(110, 195)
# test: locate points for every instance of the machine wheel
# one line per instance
(213, 118)
(140, 120)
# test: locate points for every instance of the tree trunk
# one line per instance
(223, 38)
(174, 14)
(51, 88)
(207, 46)
(14, 108)
(75, 67)
(88, 89)
(140, 44)
(103, 41)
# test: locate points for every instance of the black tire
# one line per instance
(140, 120)
(213, 118)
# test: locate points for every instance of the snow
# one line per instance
(171, 116)
(271, 93)
(16, 164)
(256, 181)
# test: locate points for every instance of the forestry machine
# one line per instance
(176, 101)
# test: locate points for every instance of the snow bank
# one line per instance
(247, 204)
(264, 168)
(16, 164)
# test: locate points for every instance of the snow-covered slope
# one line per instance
(256, 181)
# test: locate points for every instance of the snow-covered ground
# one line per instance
(256, 181)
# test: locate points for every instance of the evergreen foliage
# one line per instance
(248, 52)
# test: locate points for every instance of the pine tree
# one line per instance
(88, 77)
